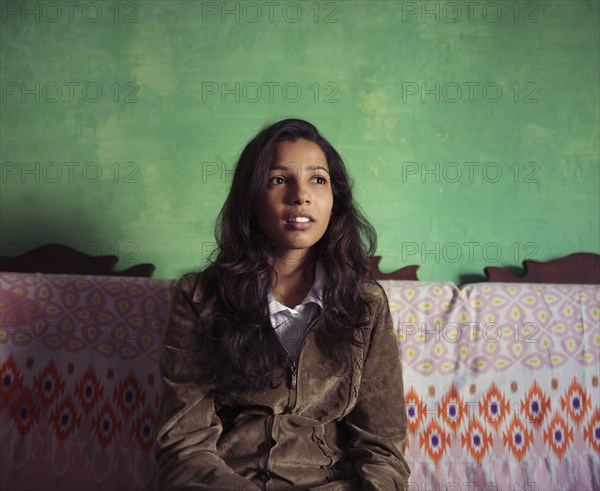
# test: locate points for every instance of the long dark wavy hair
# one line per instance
(242, 350)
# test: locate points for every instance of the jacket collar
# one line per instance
(315, 294)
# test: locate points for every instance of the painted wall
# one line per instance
(471, 129)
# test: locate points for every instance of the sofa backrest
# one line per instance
(501, 382)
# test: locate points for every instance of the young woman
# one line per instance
(279, 362)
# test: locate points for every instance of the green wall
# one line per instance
(471, 129)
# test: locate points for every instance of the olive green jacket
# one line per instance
(315, 429)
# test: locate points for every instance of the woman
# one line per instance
(279, 361)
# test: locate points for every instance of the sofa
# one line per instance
(501, 382)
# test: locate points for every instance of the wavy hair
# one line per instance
(243, 351)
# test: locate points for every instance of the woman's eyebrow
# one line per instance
(317, 167)
(287, 168)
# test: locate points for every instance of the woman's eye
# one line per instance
(320, 180)
(276, 180)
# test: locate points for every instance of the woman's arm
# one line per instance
(377, 424)
(188, 427)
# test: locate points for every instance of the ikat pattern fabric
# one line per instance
(79, 380)
(501, 382)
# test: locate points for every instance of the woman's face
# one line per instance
(298, 200)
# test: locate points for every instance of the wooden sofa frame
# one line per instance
(578, 268)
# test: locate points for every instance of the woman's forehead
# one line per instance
(299, 154)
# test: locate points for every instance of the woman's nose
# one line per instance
(299, 194)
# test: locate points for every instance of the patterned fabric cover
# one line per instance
(80, 380)
(501, 382)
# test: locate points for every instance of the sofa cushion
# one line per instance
(501, 383)
(80, 380)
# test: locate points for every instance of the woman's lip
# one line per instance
(298, 225)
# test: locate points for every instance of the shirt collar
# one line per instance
(315, 294)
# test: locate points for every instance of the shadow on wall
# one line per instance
(42, 250)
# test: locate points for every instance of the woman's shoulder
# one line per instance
(191, 285)
(373, 292)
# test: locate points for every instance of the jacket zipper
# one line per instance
(293, 364)
(294, 381)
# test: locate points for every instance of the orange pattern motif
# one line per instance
(65, 419)
(129, 395)
(452, 409)
(143, 429)
(49, 384)
(535, 406)
(435, 440)
(558, 436)
(477, 440)
(494, 408)
(105, 424)
(518, 438)
(89, 390)
(415, 410)
(24, 413)
(576, 402)
(10, 379)
(591, 433)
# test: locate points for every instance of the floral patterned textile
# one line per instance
(501, 382)
(80, 380)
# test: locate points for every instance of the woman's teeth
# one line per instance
(299, 220)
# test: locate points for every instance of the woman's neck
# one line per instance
(294, 277)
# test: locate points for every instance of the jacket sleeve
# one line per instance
(187, 427)
(377, 423)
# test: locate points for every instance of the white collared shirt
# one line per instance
(290, 324)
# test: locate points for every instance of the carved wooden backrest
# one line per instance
(62, 259)
(579, 268)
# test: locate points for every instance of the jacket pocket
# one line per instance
(319, 438)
